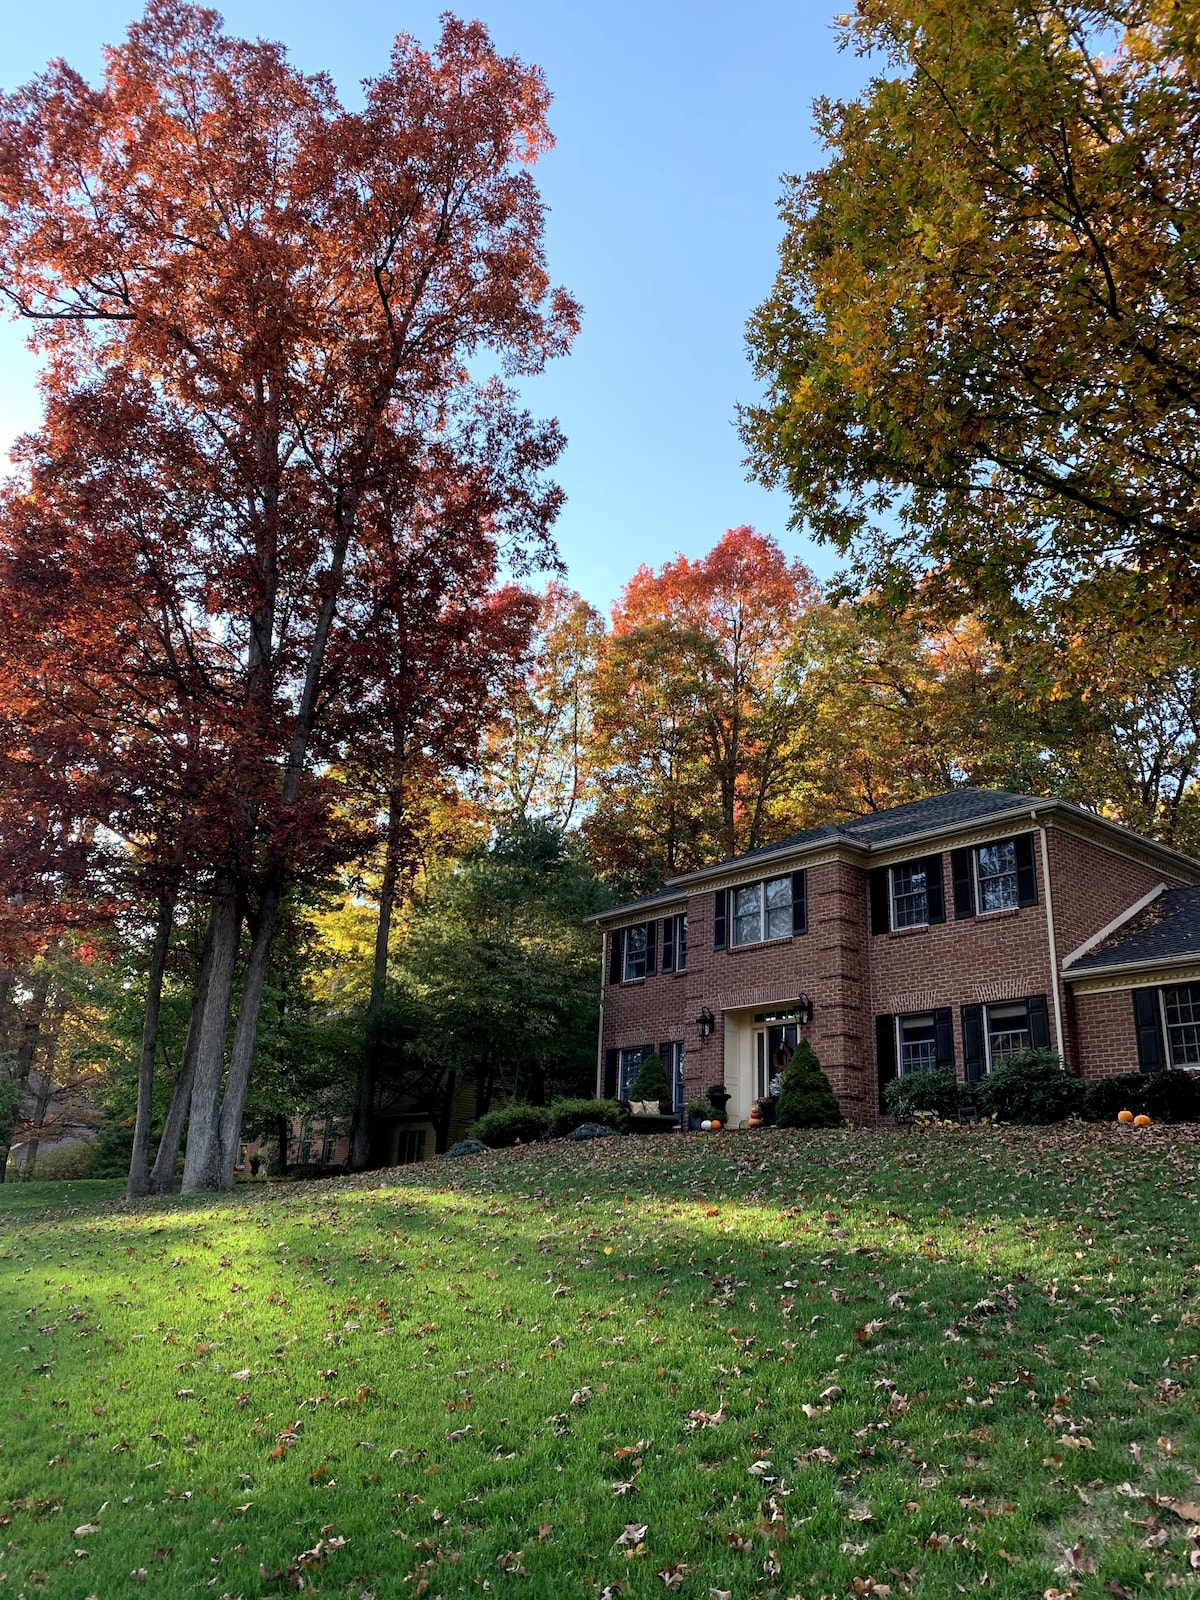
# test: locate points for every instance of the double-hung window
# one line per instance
(996, 869)
(674, 943)
(775, 908)
(1181, 1014)
(910, 895)
(1007, 1032)
(762, 911)
(994, 877)
(635, 952)
(918, 1043)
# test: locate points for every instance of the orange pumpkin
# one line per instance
(716, 1125)
(1124, 1116)
(1141, 1122)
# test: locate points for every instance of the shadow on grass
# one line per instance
(899, 1361)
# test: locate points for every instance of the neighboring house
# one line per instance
(947, 932)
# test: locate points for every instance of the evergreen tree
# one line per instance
(807, 1099)
(651, 1081)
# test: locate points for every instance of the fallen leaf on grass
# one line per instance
(85, 1528)
(634, 1534)
(707, 1419)
(1185, 1510)
(672, 1576)
(1076, 1559)
(511, 1563)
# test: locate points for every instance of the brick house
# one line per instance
(947, 932)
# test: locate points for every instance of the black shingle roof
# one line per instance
(917, 817)
(1167, 930)
(875, 829)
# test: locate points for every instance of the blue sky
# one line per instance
(675, 122)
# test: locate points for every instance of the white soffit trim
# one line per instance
(1118, 921)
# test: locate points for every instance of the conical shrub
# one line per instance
(651, 1081)
(807, 1099)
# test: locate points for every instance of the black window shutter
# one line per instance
(668, 944)
(799, 902)
(612, 1062)
(972, 1038)
(943, 1028)
(1148, 1022)
(720, 909)
(935, 894)
(1039, 1021)
(885, 1052)
(1027, 894)
(962, 871)
(616, 955)
(651, 931)
(881, 919)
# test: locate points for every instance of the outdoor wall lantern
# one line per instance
(706, 1023)
(804, 1010)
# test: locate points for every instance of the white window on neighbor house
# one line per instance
(1007, 1032)
(1181, 1017)
(917, 1041)
(635, 952)
(762, 911)
(996, 876)
(910, 895)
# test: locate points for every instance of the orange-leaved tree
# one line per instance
(691, 720)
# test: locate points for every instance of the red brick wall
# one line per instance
(852, 975)
(1092, 885)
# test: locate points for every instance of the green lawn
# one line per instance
(921, 1363)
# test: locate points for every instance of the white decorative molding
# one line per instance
(1136, 978)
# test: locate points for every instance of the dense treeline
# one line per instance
(306, 786)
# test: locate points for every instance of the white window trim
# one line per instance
(625, 974)
(763, 936)
(993, 911)
(908, 926)
(900, 1072)
(988, 1064)
(1186, 1066)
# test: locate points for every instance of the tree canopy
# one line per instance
(981, 351)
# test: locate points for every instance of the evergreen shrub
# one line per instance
(509, 1125)
(807, 1099)
(938, 1091)
(1031, 1087)
(1168, 1096)
(651, 1081)
(568, 1114)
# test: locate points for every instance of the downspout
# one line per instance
(604, 938)
(1058, 1026)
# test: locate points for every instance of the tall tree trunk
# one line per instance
(281, 1136)
(229, 1127)
(221, 1117)
(202, 1160)
(45, 1093)
(31, 1032)
(162, 1177)
(139, 1160)
(363, 1129)
(442, 1126)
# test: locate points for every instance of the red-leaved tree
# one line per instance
(297, 289)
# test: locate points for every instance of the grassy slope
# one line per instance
(478, 1374)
